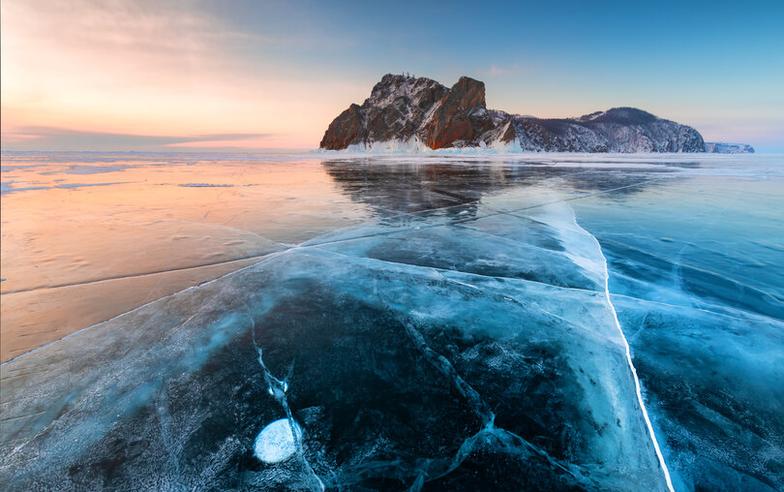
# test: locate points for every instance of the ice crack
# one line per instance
(443, 365)
(637, 387)
(509, 441)
(276, 432)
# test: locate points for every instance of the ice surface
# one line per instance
(699, 294)
(72, 257)
(480, 331)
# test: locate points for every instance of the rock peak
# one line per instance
(418, 111)
(468, 93)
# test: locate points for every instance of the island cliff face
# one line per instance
(409, 112)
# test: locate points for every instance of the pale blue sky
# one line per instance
(284, 69)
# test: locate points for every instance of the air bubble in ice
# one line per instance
(275, 442)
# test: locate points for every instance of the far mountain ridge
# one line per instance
(418, 113)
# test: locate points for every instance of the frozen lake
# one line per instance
(542, 322)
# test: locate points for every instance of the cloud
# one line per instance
(49, 138)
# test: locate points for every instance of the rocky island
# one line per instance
(405, 113)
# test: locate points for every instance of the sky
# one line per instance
(195, 75)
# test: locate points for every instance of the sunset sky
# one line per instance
(158, 75)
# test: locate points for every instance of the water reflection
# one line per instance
(83, 241)
(90, 236)
(395, 187)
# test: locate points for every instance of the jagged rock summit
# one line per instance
(410, 113)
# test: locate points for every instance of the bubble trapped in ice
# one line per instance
(275, 442)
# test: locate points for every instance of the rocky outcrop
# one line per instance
(395, 110)
(344, 130)
(460, 116)
(728, 148)
(421, 113)
(615, 130)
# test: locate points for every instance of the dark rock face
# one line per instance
(615, 130)
(423, 112)
(344, 129)
(395, 110)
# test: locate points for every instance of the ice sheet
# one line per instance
(471, 333)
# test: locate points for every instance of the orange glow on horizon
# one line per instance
(93, 69)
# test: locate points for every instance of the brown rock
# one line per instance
(461, 116)
(344, 130)
(395, 110)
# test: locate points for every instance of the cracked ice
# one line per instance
(490, 326)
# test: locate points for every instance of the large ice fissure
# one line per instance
(637, 387)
